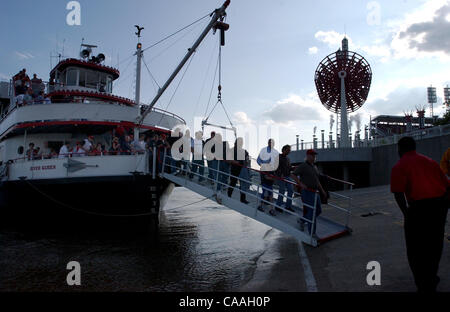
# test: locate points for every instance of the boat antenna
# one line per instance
(138, 77)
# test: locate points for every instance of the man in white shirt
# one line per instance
(139, 146)
(88, 143)
(268, 160)
(64, 151)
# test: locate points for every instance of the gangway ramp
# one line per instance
(286, 221)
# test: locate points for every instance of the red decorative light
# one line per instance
(357, 80)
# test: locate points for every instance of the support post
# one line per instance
(344, 119)
(138, 86)
(154, 163)
(323, 138)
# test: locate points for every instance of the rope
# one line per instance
(212, 88)
(178, 85)
(173, 43)
(219, 94)
(103, 214)
(173, 34)
(150, 73)
(196, 202)
(204, 80)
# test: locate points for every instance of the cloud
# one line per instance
(331, 38)
(313, 50)
(241, 118)
(430, 36)
(294, 108)
(3, 76)
(424, 32)
(24, 55)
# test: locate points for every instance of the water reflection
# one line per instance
(198, 248)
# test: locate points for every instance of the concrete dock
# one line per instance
(340, 265)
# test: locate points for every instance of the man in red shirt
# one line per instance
(421, 191)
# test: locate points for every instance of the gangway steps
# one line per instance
(285, 222)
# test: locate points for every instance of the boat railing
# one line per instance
(76, 155)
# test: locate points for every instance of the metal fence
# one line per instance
(375, 141)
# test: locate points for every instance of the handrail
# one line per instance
(236, 188)
(342, 181)
(169, 162)
(77, 155)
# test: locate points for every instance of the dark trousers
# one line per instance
(235, 172)
(424, 236)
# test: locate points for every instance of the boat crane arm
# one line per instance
(217, 15)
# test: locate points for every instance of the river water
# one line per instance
(200, 247)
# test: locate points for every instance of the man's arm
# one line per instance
(401, 201)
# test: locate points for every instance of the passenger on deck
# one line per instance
(236, 165)
(36, 85)
(284, 174)
(30, 151)
(17, 79)
(52, 154)
(37, 153)
(198, 162)
(39, 99)
(78, 150)
(18, 100)
(64, 151)
(21, 82)
(47, 100)
(267, 159)
(126, 146)
(140, 146)
(28, 98)
(98, 149)
(310, 183)
(88, 144)
(115, 147)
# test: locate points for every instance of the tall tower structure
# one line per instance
(343, 81)
(432, 99)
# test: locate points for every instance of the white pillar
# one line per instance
(344, 120)
(138, 87)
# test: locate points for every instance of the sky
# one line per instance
(272, 50)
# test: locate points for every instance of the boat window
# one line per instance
(91, 79)
(82, 78)
(102, 86)
(72, 77)
(20, 150)
(109, 84)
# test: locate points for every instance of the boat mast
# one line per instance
(218, 14)
(138, 78)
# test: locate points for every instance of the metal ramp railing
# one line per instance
(214, 183)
